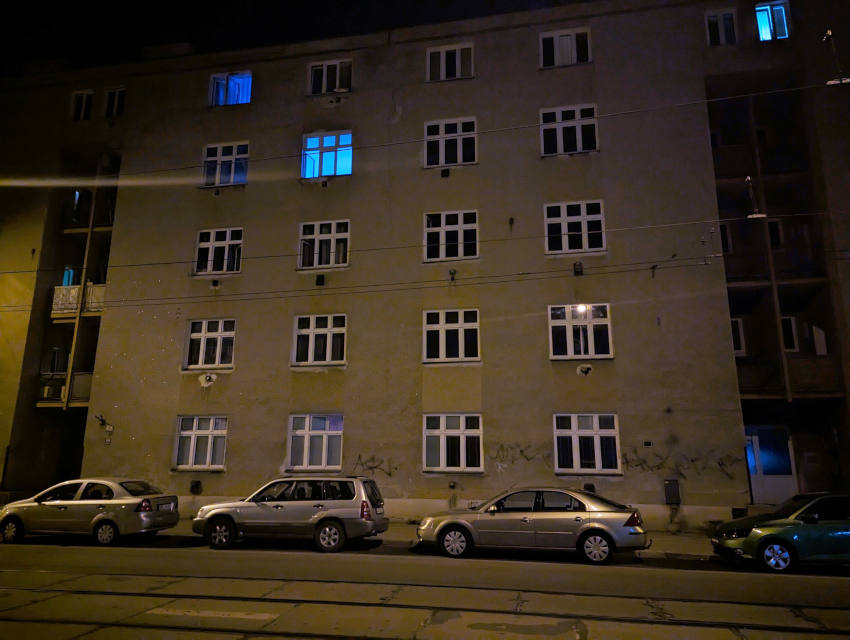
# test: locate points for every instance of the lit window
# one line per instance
(230, 88)
(323, 244)
(449, 62)
(326, 154)
(451, 235)
(226, 164)
(586, 443)
(211, 344)
(452, 442)
(115, 102)
(315, 442)
(219, 251)
(201, 442)
(81, 105)
(319, 340)
(450, 142)
(450, 336)
(738, 344)
(580, 331)
(333, 76)
(772, 20)
(720, 27)
(574, 227)
(565, 130)
(564, 48)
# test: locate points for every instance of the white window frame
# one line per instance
(583, 219)
(760, 6)
(442, 137)
(574, 433)
(738, 332)
(305, 426)
(325, 65)
(443, 228)
(719, 14)
(219, 334)
(224, 76)
(443, 71)
(323, 150)
(792, 321)
(571, 55)
(588, 321)
(312, 330)
(114, 108)
(230, 246)
(442, 326)
(463, 432)
(334, 236)
(238, 155)
(211, 434)
(85, 97)
(577, 123)
(725, 232)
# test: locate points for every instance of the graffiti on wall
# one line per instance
(374, 463)
(507, 454)
(681, 463)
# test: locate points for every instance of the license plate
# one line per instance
(165, 507)
(379, 510)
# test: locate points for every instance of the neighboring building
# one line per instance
(457, 257)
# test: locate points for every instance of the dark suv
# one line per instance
(330, 510)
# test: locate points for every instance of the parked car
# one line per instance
(539, 518)
(329, 510)
(102, 507)
(809, 527)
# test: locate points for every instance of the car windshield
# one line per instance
(791, 505)
(139, 488)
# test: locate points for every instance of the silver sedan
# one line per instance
(539, 518)
(102, 507)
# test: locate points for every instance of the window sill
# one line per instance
(330, 94)
(198, 370)
(323, 181)
(566, 66)
(314, 469)
(452, 363)
(325, 268)
(216, 187)
(590, 472)
(204, 469)
(574, 358)
(577, 252)
(215, 275)
(568, 154)
(466, 472)
(451, 166)
(318, 366)
(472, 77)
(444, 260)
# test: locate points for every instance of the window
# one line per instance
(211, 344)
(772, 20)
(580, 331)
(559, 501)
(62, 492)
(450, 336)
(219, 251)
(452, 442)
(586, 443)
(738, 344)
(81, 105)
(725, 238)
(449, 62)
(323, 244)
(720, 27)
(333, 76)
(449, 142)
(566, 130)
(97, 491)
(789, 334)
(200, 442)
(115, 102)
(573, 227)
(320, 340)
(315, 441)
(451, 235)
(777, 238)
(326, 154)
(563, 48)
(230, 88)
(226, 164)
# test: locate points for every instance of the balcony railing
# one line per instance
(814, 374)
(52, 386)
(80, 387)
(66, 299)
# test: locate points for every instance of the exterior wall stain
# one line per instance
(373, 463)
(680, 462)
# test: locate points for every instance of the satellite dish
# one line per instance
(206, 379)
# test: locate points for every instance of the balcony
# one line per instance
(811, 374)
(53, 385)
(66, 299)
(760, 378)
(80, 388)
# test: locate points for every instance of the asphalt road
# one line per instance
(175, 587)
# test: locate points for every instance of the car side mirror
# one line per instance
(492, 509)
(810, 518)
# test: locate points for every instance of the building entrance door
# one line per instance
(770, 461)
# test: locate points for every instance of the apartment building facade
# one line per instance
(457, 257)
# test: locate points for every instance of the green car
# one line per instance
(810, 527)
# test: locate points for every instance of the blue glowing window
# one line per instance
(334, 157)
(772, 20)
(230, 88)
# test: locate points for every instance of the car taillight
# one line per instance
(144, 505)
(634, 520)
(365, 511)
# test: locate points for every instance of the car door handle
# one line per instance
(319, 506)
(101, 507)
(278, 506)
(525, 520)
(61, 507)
(578, 518)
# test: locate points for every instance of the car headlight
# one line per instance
(731, 534)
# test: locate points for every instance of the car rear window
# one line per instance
(139, 488)
(373, 493)
(609, 503)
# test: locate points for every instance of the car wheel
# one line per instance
(221, 533)
(776, 556)
(330, 536)
(455, 542)
(595, 547)
(12, 530)
(106, 533)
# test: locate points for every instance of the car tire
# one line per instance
(330, 536)
(106, 533)
(455, 542)
(12, 530)
(776, 556)
(221, 533)
(595, 547)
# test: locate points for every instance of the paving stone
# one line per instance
(73, 608)
(230, 587)
(119, 583)
(42, 630)
(335, 592)
(217, 614)
(734, 614)
(351, 621)
(32, 579)
(14, 598)
(437, 597)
